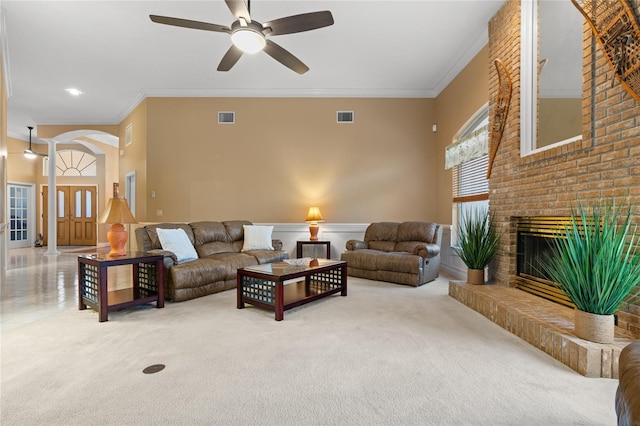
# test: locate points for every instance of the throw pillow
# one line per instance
(177, 242)
(257, 237)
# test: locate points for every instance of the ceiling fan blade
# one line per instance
(230, 58)
(238, 9)
(186, 23)
(299, 23)
(283, 56)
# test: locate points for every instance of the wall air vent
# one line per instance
(345, 116)
(226, 117)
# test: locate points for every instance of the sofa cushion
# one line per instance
(153, 234)
(257, 237)
(197, 273)
(361, 259)
(235, 230)
(233, 261)
(382, 236)
(417, 231)
(177, 242)
(268, 256)
(211, 238)
(399, 262)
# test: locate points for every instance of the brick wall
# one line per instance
(601, 165)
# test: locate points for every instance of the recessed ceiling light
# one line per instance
(74, 92)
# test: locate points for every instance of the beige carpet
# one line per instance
(386, 354)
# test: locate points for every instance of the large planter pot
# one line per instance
(594, 327)
(475, 276)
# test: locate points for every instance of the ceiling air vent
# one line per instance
(345, 116)
(226, 117)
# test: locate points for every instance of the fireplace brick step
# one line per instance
(546, 325)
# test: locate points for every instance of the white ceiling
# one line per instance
(112, 52)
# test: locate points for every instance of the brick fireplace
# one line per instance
(604, 164)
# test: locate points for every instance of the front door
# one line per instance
(75, 215)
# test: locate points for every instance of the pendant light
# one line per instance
(28, 152)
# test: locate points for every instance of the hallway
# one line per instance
(37, 285)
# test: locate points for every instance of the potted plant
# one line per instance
(478, 243)
(597, 265)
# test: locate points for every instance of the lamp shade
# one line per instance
(314, 215)
(117, 211)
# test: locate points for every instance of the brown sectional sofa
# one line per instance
(404, 253)
(219, 247)
(628, 393)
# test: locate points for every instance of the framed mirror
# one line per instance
(551, 74)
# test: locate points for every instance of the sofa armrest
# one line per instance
(426, 250)
(170, 258)
(277, 244)
(356, 245)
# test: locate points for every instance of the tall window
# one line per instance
(468, 158)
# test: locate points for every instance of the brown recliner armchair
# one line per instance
(628, 394)
(403, 253)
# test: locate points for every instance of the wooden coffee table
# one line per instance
(275, 286)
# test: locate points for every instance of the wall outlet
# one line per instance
(159, 212)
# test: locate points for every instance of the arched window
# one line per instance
(71, 162)
(468, 158)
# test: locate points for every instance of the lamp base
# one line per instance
(117, 237)
(313, 229)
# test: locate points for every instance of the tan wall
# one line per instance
(284, 155)
(135, 155)
(456, 104)
(3, 162)
(20, 168)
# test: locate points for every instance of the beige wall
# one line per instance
(135, 155)
(456, 104)
(562, 120)
(284, 155)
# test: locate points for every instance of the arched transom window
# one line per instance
(71, 162)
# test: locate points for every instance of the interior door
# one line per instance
(21, 217)
(75, 215)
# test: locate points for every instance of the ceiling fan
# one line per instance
(29, 153)
(250, 36)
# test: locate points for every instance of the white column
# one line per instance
(52, 215)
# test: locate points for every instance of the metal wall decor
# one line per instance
(503, 100)
(615, 26)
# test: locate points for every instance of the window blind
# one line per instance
(470, 180)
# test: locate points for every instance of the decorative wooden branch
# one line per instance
(503, 100)
(615, 26)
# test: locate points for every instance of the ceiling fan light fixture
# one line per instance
(248, 40)
(28, 153)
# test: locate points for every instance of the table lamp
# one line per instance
(117, 212)
(314, 216)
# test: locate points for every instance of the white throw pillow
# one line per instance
(257, 237)
(177, 242)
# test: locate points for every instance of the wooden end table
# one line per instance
(148, 282)
(301, 244)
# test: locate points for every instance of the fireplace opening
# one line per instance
(534, 242)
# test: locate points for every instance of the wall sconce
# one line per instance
(314, 216)
(117, 212)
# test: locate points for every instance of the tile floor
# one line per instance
(36, 285)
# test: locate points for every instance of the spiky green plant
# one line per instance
(597, 264)
(478, 239)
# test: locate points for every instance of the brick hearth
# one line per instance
(544, 324)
